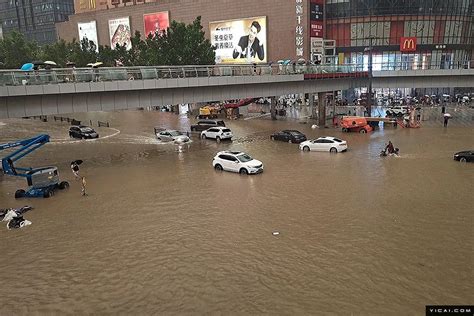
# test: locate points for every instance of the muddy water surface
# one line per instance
(161, 232)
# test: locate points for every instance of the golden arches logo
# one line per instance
(408, 44)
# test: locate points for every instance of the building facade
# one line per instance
(407, 34)
(283, 25)
(34, 18)
(403, 34)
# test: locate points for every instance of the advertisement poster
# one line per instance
(156, 23)
(120, 33)
(240, 41)
(88, 30)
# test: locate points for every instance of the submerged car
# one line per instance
(205, 124)
(82, 132)
(326, 143)
(290, 136)
(170, 135)
(464, 156)
(236, 161)
(217, 133)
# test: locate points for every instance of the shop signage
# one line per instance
(299, 30)
(316, 18)
(408, 44)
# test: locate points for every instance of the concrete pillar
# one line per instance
(312, 108)
(273, 107)
(322, 109)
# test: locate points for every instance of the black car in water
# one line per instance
(82, 131)
(290, 136)
(464, 156)
(202, 125)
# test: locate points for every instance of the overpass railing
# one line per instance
(74, 75)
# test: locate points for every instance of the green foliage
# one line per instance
(181, 44)
(57, 52)
(15, 51)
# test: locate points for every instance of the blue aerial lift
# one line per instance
(43, 181)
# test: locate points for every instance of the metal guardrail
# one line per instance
(75, 75)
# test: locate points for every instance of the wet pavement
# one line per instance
(161, 232)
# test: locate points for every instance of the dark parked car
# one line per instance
(202, 125)
(82, 131)
(290, 136)
(464, 156)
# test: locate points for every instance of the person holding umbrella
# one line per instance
(446, 118)
(75, 168)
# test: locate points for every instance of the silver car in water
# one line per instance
(170, 135)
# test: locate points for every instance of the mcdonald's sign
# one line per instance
(408, 44)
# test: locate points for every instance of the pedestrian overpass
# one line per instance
(61, 91)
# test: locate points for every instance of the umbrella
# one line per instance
(77, 162)
(70, 63)
(96, 64)
(27, 67)
(51, 63)
(301, 61)
(37, 62)
(447, 115)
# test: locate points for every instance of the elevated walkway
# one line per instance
(69, 90)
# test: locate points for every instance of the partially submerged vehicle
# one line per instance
(42, 181)
(169, 135)
(356, 124)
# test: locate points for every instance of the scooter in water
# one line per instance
(14, 217)
(384, 153)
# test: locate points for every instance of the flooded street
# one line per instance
(161, 232)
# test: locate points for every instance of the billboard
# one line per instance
(240, 41)
(316, 18)
(120, 33)
(156, 22)
(88, 30)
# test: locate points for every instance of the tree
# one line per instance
(107, 55)
(82, 53)
(186, 45)
(16, 51)
(181, 44)
(57, 52)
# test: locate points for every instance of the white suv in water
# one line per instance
(218, 133)
(236, 161)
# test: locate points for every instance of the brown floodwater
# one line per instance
(160, 232)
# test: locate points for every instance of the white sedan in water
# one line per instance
(326, 143)
(171, 136)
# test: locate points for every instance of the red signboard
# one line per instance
(316, 29)
(408, 44)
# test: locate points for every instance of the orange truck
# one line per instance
(356, 124)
